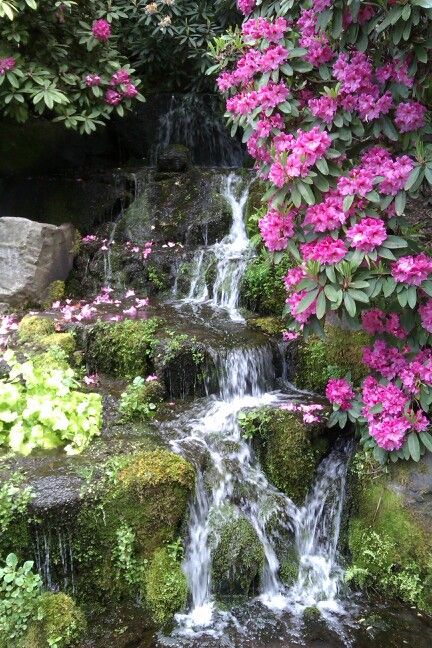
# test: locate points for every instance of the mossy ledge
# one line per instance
(390, 542)
(289, 450)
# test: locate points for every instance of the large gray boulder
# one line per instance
(32, 256)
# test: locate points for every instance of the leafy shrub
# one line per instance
(41, 408)
(14, 500)
(19, 591)
(262, 287)
(140, 399)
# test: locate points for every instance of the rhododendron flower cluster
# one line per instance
(412, 270)
(425, 311)
(7, 64)
(324, 108)
(101, 29)
(376, 321)
(293, 302)
(410, 116)
(327, 215)
(315, 42)
(326, 250)
(260, 28)
(340, 392)
(368, 234)
(305, 150)
(246, 6)
(276, 229)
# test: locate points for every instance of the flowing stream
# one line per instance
(230, 482)
(226, 260)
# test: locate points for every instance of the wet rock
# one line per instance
(32, 256)
(175, 158)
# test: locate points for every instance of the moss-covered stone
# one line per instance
(290, 450)
(122, 349)
(238, 556)
(66, 341)
(269, 325)
(165, 586)
(62, 623)
(338, 354)
(262, 289)
(54, 292)
(131, 516)
(390, 542)
(289, 566)
(34, 327)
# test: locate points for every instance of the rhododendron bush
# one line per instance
(63, 60)
(333, 97)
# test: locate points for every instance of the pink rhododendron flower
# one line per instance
(113, 98)
(294, 300)
(326, 250)
(368, 234)
(325, 108)
(384, 359)
(425, 311)
(119, 77)
(410, 115)
(141, 303)
(246, 6)
(276, 229)
(327, 215)
(316, 43)
(101, 29)
(339, 392)
(294, 276)
(261, 28)
(92, 379)
(7, 64)
(129, 293)
(412, 270)
(151, 378)
(92, 80)
(130, 90)
(288, 336)
(130, 312)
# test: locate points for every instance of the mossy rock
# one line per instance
(165, 586)
(238, 558)
(269, 325)
(121, 349)
(54, 292)
(65, 341)
(62, 623)
(338, 354)
(34, 327)
(289, 566)
(149, 498)
(290, 450)
(390, 541)
(262, 289)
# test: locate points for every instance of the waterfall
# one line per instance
(246, 380)
(245, 374)
(229, 257)
(193, 121)
(54, 557)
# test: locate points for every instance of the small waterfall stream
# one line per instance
(226, 259)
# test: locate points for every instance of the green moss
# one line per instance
(62, 623)
(165, 586)
(144, 501)
(54, 292)
(289, 567)
(269, 325)
(262, 289)
(311, 614)
(238, 558)
(338, 354)
(391, 550)
(290, 451)
(122, 349)
(33, 327)
(66, 342)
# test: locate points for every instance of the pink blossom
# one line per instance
(412, 270)
(410, 116)
(262, 28)
(113, 98)
(131, 312)
(288, 336)
(130, 90)
(141, 303)
(425, 311)
(324, 107)
(151, 378)
(294, 276)
(7, 64)
(368, 234)
(339, 392)
(92, 379)
(327, 215)
(326, 250)
(92, 80)
(101, 29)
(384, 359)
(246, 6)
(294, 300)
(119, 77)
(276, 229)
(389, 433)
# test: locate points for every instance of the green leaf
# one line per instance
(331, 292)
(358, 295)
(380, 455)
(400, 203)
(307, 300)
(412, 178)
(306, 192)
(322, 166)
(347, 202)
(350, 305)
(426, 4)
(414, 446)
(321, 305)
(395, 242)
(426, 439)
(412, 296)
(427, 287)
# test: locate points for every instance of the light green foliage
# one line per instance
(128, 566)
(391, 549)
(263, 289)
(60, 625)
(14, 499)
(290, 450)
(166, 586)
(140, 400)
(41, 408)
(19, 590)
(122, 349)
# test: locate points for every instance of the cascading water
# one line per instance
(229, 257)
